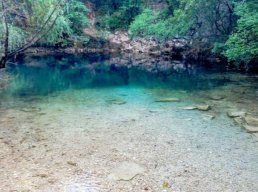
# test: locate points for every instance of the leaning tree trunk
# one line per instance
(41, 32)
(6, 39)
(3, 62)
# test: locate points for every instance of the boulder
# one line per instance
(126, 171)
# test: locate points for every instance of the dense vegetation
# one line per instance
(227, 27)
(49, 22)
(230, 27)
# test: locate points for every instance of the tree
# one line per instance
(242, 45)
(195, 18)
(16, 15)
(124, 15)
(26, 22)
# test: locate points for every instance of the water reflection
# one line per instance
(41, 75)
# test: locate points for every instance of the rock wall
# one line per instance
(140, 47)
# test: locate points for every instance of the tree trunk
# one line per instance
(3, 62)
(6, 40)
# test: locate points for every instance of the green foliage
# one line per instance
(229, 26)
(153, 24)
(69, 24)
(214, 22)
(242, 45)
(76, 14)
(16, 38)
(62, 27)
(121, 14)
(28, 18)
(172, 5)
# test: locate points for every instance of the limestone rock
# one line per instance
(252, 121)
(203, 107)
(189, 108)
(239, 121)
(71, 163)
(198, 107)
(250, 129)
(126, 171)
(167, 100)
(208, 117)
(234, 114)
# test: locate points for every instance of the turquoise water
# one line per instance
(47, 75)
(86, 109)
(93, 79)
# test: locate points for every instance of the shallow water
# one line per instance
(67, 122)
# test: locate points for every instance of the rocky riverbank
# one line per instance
(140, 51)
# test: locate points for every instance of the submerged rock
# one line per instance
(189, 108)
(252, 121)
(239, 121)
(203, 107)
(71, 163)
(250, 124)
(164, 100)
(208, 117)
(116, 102)
(250, 129)
(156, 111)
(197, 107)
(217, 97)
(126, 171)
(234, 114)
(247, 123)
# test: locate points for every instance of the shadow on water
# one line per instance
(42, 75)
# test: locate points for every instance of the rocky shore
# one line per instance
(139, 51)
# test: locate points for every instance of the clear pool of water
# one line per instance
(62, 109)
